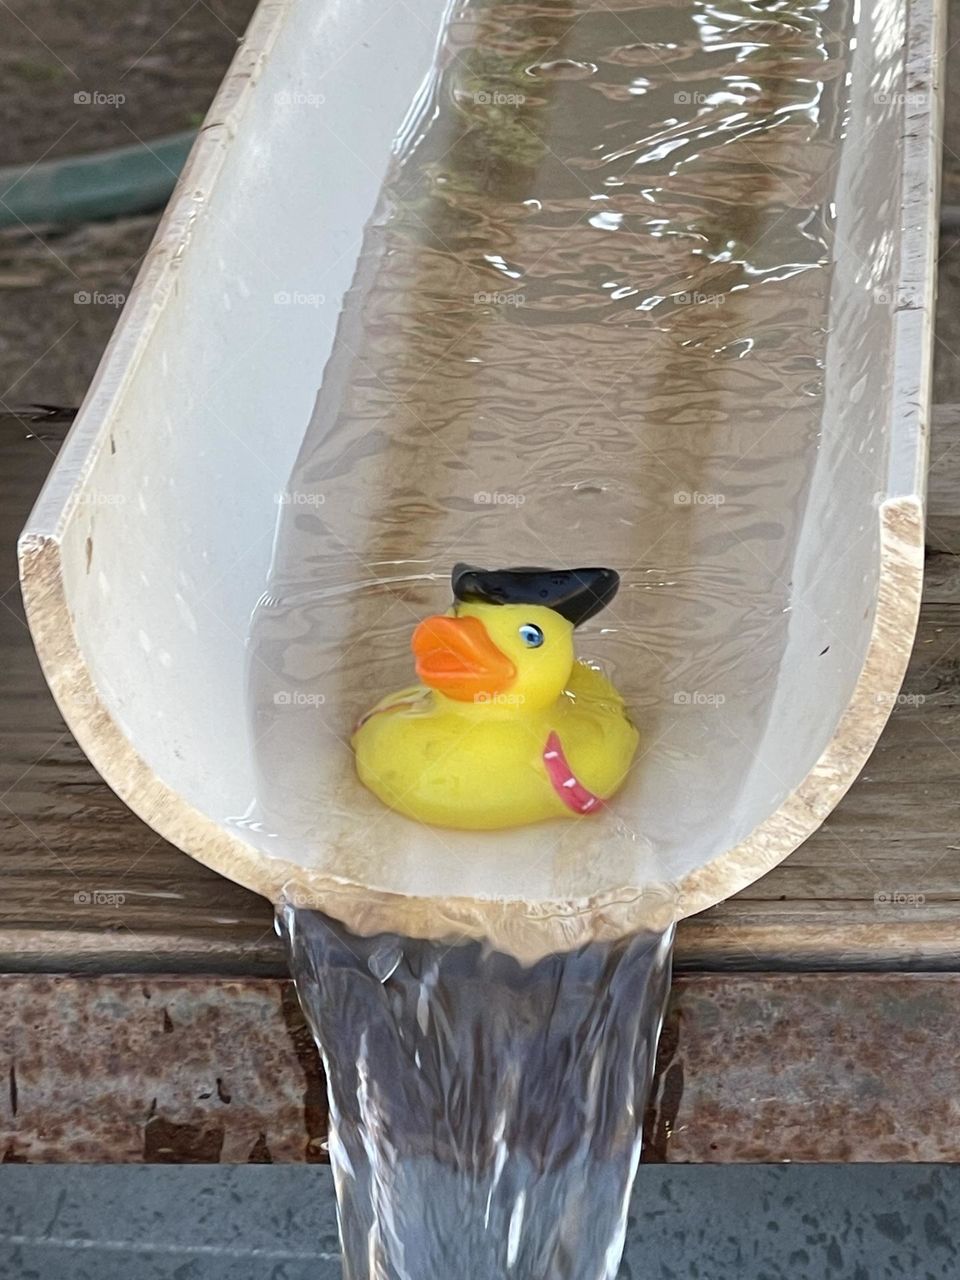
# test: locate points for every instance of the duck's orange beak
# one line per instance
(456, 657)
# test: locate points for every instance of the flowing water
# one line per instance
(588, 326)
(485, 1115)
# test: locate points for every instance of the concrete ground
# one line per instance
(778, 1222)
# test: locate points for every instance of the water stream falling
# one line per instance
(588, 326)
(485, 1115)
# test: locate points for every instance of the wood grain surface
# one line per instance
(85, 886)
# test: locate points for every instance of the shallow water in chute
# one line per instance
(588, 326)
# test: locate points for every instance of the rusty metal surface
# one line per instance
(752, 1067)
(165, 1070)
(809, 1067)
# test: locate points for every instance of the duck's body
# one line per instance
(483, 766)
(506, 728)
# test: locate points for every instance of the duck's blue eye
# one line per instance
(531, 636)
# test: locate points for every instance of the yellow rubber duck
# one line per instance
(507, 726)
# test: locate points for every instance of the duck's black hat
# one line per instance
(576, 594)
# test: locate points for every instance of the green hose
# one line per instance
(106, 184)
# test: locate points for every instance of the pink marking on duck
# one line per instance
(564, 781)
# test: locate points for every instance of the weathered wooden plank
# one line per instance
(803, 1067)
(943, 516)
(85, 885)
